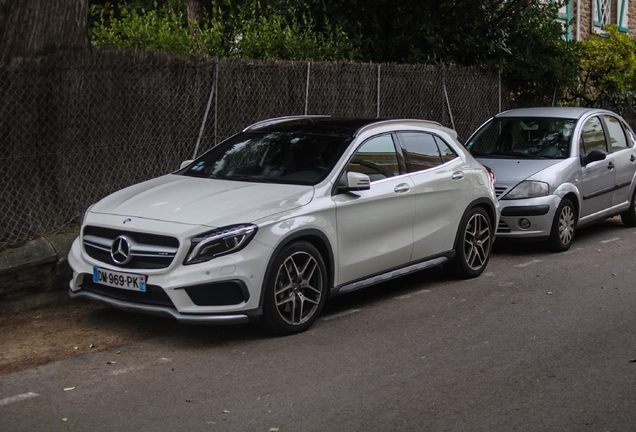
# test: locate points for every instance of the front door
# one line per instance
(375, 227)
(597, 178)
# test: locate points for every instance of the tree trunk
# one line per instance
(30, 28)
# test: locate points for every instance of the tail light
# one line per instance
(492, 176)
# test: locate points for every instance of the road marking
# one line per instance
(406, 296)
(528, 263)
(18, 398)
(610, 240)
(341, 314)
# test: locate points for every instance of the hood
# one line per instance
(512, 171)
(198, 201)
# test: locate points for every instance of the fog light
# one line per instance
(524, 224)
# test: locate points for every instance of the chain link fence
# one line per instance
(78, 126)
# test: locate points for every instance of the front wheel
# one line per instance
(296, 289)
(562, 232)
(474, 244)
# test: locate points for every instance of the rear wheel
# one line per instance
(296, 289)
(562, 232)
(474, 244)
(629, 216)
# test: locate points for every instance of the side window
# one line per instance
(447, 152)
(592, 137)
(616, 133)
(421, 151)
(376, 158)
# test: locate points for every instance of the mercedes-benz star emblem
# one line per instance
(120, 250)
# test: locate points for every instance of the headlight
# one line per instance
(219, 242)
(528, 189)
(83, 215)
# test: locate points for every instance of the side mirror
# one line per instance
(593, 156)
(354, 181)
(185, 163)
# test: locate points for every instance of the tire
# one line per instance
(563, 226)
(296, 289)
(474, 244)
(629, 216)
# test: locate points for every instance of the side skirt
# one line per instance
(392, 273)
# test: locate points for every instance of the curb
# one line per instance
(35, 274)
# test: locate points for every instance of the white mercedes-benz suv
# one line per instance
(271, 222)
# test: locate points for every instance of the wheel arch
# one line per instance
(488, 206)
(574, 199)
(316, 238)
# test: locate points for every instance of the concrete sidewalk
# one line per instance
(36, 273)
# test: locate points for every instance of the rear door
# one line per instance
(442, 191)
(623, 157)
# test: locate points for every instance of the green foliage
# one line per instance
(607, 69)
(161, 28)
(267, 33)
(538, 63)
(247, 30)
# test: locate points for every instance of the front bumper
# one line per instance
(167, 312)
(538, 212)
(225, 290)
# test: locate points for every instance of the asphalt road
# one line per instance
(540, 342)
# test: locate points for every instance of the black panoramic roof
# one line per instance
(314, 124)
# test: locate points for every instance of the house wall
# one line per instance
(585, 14)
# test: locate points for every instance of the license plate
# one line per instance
(127, 281)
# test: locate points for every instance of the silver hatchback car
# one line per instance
(558, 169)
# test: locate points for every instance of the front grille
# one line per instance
(503, 227)
(154, 294)
(500, 190)
(147, 251)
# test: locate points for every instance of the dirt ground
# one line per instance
(40, 336)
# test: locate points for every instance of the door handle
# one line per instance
(402, 188)
(610, 165)
(632, 158)
(458, 175)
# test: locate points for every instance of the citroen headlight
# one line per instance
(219, 242)
(528, 189)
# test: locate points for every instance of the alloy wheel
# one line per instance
(298, 289)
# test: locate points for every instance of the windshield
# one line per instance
(534, 137)
(272, 157)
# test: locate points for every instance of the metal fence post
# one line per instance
(307, 88)
(500, 90)
(216, 100)
(377, 114)
(450, 112)
(205, 118)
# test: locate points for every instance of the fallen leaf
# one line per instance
(226, 412)
(274, 429)
(188, 400)
(118, 352)
(64, 419)
(633, 360)
(69, 388)
(549, 293)
(111, 362)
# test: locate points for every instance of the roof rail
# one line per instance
(272, 121)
